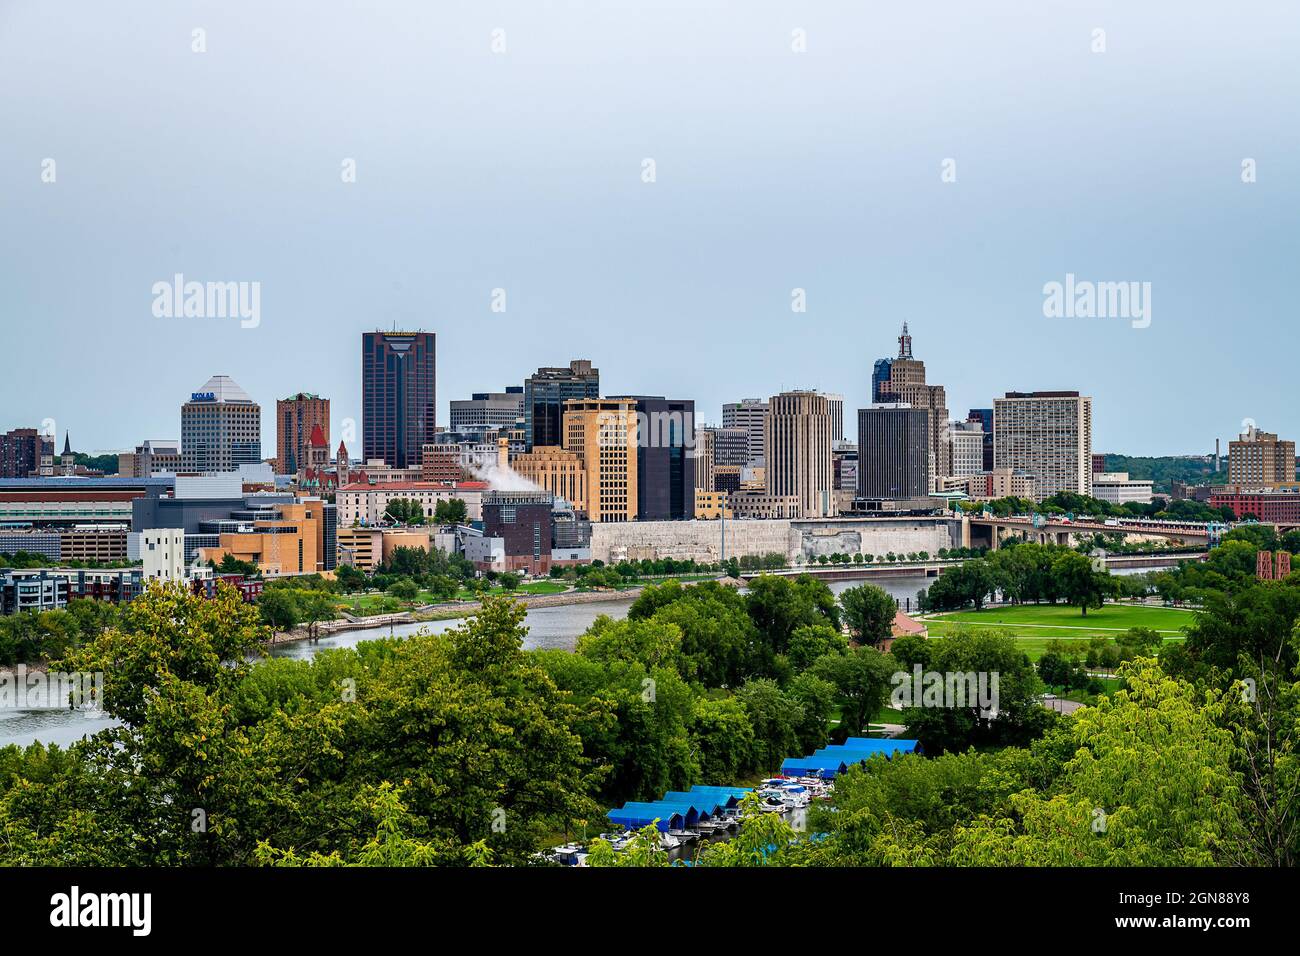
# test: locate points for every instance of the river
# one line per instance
(548, 627)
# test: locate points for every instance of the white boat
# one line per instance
(773, 805)
(789, 799)
(570, 854)
(618, 841)
(668, 842)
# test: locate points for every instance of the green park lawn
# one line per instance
(1035, 625)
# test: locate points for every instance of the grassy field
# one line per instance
(1034, 625)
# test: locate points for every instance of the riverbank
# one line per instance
(449, 612)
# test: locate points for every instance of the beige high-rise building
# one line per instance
(557, 470)
(221, 428)
(797, 452)
(749, 414)
(1257, 459)
(966, 441)
(1048, 435)
(705, 458)
(905, 384)
(602, 432)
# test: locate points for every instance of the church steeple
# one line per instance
(69, 460)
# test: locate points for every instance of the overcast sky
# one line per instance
(774, 170)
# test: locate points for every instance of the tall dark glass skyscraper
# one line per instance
(545, 393)
(665, 461)
(893, 452)
(880, 379)
(398, 395)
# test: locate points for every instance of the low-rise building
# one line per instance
(291, 541)
(485, 553)
(92, 544)
(360, 547)
(998, 483)
(162, 554)
(394, 538)
(150, 458)
(1275, 506)
(557, 470)
(48, 589)
(367, 504)
(1117, 488)
(46, 543)
(522, 519)
(760, 504)
(711, 505)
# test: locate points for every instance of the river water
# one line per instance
(548, 627)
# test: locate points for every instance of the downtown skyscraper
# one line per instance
(1047, 435)
(797, 451)
(221, 428)
(902, 380)
(545, 393)
(398, 396)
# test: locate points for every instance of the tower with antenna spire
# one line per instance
(905, 344)
(902, 381)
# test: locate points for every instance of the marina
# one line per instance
(687, 819)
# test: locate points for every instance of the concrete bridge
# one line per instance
(980, 531)
(848, 572)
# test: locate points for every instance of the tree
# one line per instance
(510, 581)
(775, 719)
(279, 608)
(1078, 582)
(1103, 811)
(451, 511)
(350, 578)
(405, 511)
(817, 699)
(861, 679)
(404, 589)
(869, 612)
(720, 645)
(814, 641)
(652, 643)
(232, 565)
(723, 738)
(779, 605)
(1256, 623)
(314, 607)
(1016, 717)
(169, 635)
(1055, 670)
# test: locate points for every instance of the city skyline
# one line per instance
(270, 424)
(763, 186)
